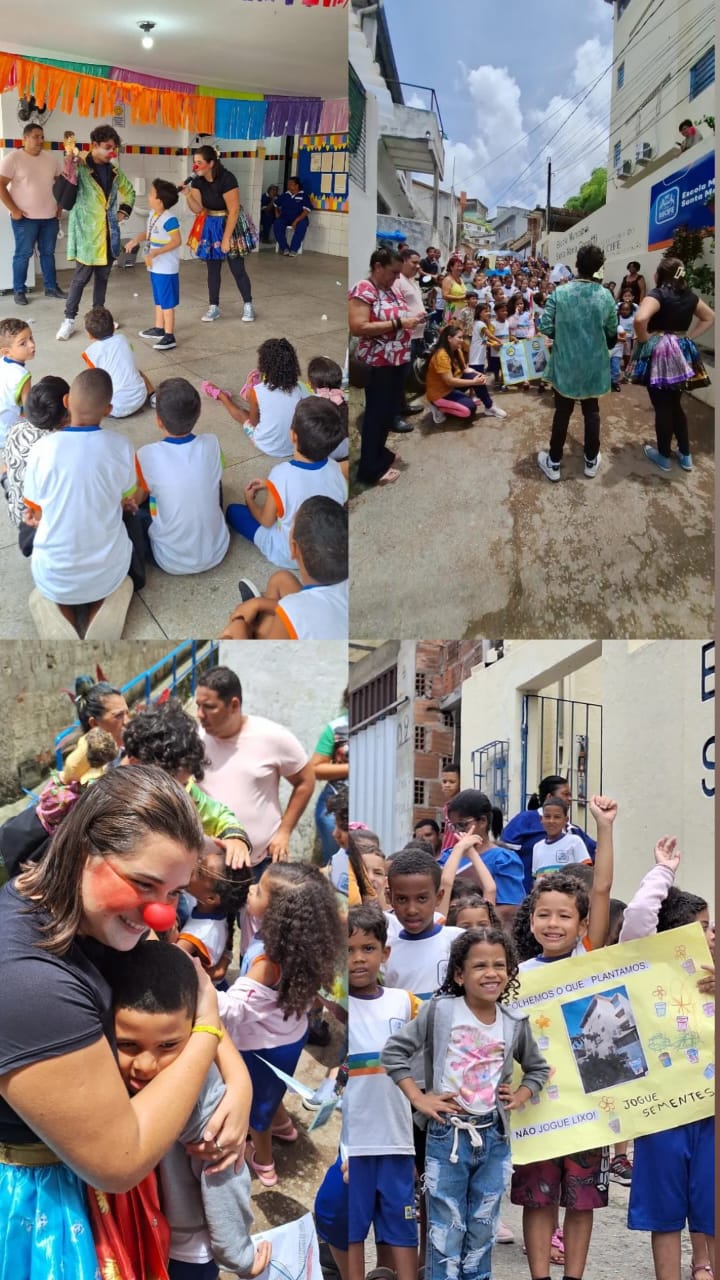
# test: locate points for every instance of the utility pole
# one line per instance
(547, 211)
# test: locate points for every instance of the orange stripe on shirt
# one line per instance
(197, 944)
(87, 360)
(276, 498)
(140, 477)
(32, 505)
(281, 614)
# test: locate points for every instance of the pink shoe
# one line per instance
(265, 1172)
(286, 1132)
(211, 390)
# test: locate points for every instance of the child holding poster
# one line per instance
(663, 1206)
(567, 921)
(469, 1044)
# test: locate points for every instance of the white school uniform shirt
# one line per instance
(13, 376)
(478, 347)
(159, 227)
(290, 484)
(380, 1117)
(115, 355)
(272, 433)
(316, 612)
(78, 476)
(188, 533)
(558, 855)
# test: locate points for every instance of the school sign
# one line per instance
(630, 1042)
(683, 199)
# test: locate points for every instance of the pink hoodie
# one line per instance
(641, 913)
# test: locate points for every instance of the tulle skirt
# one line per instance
(207, 231)
(666, 361)
(45, 1231)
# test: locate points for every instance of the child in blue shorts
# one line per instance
(162, 260)
(380, 1128)
(685, 1154)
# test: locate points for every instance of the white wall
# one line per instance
(663, 48)
(363, 201)
(658, 745)
(300, 686)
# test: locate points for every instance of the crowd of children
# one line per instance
(439, 938)
(92, 513)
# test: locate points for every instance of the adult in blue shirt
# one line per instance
(471, 813)
(294, 208)
(525, 829)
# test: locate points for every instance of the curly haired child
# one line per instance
(271, 394)
(265, 1011)
(469, 1043)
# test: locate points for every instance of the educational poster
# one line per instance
(339, 162)
(536, 353)
(513, 362)
(631, 1040)
(323, 171)
(340, 184)
(315, 162)
(326, 161)
(295, 1251)
(326, 183)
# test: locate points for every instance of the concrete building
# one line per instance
(509, 223)
(405, 708)
(630, 718)
(663, 73)
(389, 142)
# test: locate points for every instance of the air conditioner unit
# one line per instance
(644, 153)
(625, 169)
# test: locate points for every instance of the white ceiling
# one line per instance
(260, 46)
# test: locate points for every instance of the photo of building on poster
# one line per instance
(604, 1038)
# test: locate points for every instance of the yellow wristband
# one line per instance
(213, 1031)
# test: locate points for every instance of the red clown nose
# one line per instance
(159, 916)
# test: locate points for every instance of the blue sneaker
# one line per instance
(652, 455)
(685, 460)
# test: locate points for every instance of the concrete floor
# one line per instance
(291, 296)
(488, 546)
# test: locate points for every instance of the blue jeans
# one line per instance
(615, 368)
(325, 824)
(29, 232)
(463, 1199)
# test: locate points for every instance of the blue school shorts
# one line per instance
(331, 1208)
(165, 290)
(685, 1191)
(383, 1197)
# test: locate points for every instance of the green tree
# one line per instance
(591, 195)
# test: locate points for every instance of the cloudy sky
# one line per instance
(496, 82)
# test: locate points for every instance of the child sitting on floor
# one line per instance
(325, 378)
(187, 531)
(112, 351)
(271, 400)
(155, 991)
(76, 482)
(316, 606)
(315, 431)
(46, 411)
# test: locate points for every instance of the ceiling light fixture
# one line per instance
(147, 41)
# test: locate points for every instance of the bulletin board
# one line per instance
(323, 169)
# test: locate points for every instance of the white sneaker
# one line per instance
(495, 412)
(503, 1234)
(550, 469)
(437, 414)
(248, 313)
(66, 330)
(212, 313)
(592, 468)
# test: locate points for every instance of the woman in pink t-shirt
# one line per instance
(26, 182)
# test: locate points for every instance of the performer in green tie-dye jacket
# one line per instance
(104, 198)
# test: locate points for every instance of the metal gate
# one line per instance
(374, 730)
(564, 737)
(490, 772)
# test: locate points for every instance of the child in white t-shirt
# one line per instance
(181, 476)
(76, 482)
(162, 261)
(325, 379)
(313, 606)
(16, 346)
(112, 351)
(560, 848)
(271, 400)
(478, 343)
(316, 430)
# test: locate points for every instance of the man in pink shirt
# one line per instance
(26, 190)
(247, 756)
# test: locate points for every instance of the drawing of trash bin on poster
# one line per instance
(630, 1041)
